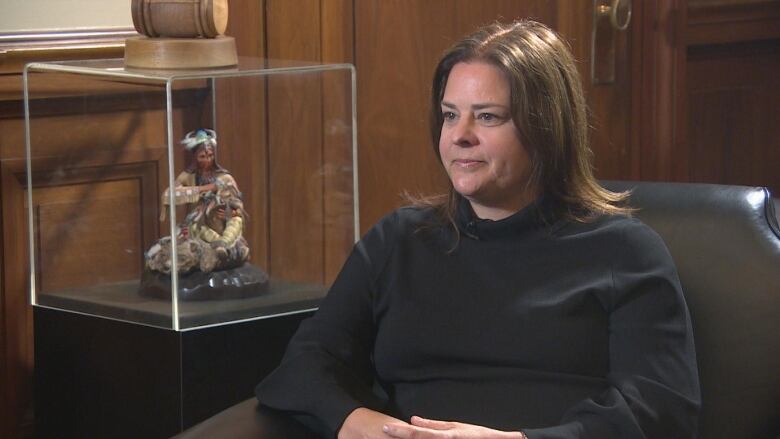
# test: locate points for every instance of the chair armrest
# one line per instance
(248, 419)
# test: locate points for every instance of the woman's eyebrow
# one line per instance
(478, 106)
(482, 106)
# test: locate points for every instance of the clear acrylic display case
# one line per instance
(103, 145)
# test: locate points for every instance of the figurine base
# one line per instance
(235, 283)
(180, 53)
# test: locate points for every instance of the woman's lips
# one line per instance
(467, 163)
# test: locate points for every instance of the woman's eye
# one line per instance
(487, 117)
(490, 118)
(448, 115)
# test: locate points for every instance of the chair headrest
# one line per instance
(725, 242)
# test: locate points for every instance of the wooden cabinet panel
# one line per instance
(92, 225)
(69, 220)
(733, 129)
(731, 21)
(731, 93)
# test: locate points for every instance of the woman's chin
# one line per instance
(466, 186)
(467, 192)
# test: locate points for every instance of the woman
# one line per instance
(525, 304)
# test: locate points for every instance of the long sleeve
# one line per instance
(653, 388)
(565, 330)
(327, 370)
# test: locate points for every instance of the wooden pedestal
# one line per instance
(180, 53)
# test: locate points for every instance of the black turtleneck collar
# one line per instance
(538, 214)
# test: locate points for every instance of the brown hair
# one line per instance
(548, 107)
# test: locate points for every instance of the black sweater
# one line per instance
(558, 328)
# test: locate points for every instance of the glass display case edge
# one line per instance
(96, 145)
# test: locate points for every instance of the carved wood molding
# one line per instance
(18, 49)
(726, 22)
(142, 167)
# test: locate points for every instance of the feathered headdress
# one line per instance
(195, 138)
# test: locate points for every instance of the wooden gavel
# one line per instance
(180, 18)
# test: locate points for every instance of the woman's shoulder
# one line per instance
(630, 228)
(631, 241)
(406, 219)
(625, 231)
(380, 241)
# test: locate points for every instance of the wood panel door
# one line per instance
(731, 93)
(397, 45)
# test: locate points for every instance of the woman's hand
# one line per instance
(364, 423)
(422, 428)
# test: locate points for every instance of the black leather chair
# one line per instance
(725, 241)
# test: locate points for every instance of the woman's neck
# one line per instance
(499, 211)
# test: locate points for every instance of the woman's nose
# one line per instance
(463, 134)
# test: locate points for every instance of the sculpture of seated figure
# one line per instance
(210, 238)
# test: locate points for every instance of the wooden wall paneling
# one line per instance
(242, 129)
(18, 355)
(241, 119)
(295, 143)
(337, 24)
(397, 45)
(733, 95)
(338, 27)
(615, 156)
(637, 62)
(75, 172)
(94, 220)
(672, 115)
(732, 58)
(242, 149)
(338, 226)
(17, 312)
(673, 87)
(658, 118)
(88, 133)
(732, 21)
(247, 25)
(16, 342)
(5, 404)
(4, 401)
(119, 125)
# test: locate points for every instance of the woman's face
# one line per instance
(480, 145)
(205, 158)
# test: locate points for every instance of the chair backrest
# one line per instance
(725, 241)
